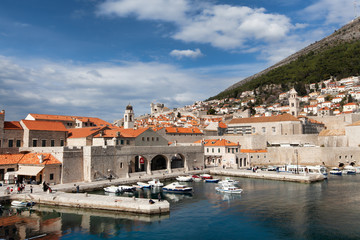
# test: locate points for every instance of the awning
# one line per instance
(29, 170)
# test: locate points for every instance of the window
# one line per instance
(34, 143)
(147, 139)
(218, 150)
(253, 130)
(117, 142)
(212, 150)
(122, 142)
(61, 142)
(152, 139)
(237, 150)
(273, 129)
(143, 139)
(157, 139)
(11, 143)
(52, 143)
(51, 176)
(43, 143)
(228, 150)
(18, 143)
(127, 142)
(263, 129)
(207, 149)
(121, 165)
(232, 150)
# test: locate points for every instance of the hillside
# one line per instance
(336, 55)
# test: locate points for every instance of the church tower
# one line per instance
(294, 104)
(129, 117)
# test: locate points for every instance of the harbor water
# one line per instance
(265, 210)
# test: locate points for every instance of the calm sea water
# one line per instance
(265, 210)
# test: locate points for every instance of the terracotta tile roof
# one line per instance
(332, 132)
(222, 125)
(217, 142)
(83, 132)
(183, 130)
(29, 158)
(132, 133)
(44, 125)
(96, 121)
(278, 118)
(14, 125)
(10, 158)
(33, 158)
(253, 150)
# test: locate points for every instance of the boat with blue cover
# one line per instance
(176, 187)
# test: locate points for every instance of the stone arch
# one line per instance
(137, 164)
(177, 161)
(158, 163)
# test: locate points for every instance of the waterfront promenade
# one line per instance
(68, 195)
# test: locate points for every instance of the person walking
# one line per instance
(31, 189)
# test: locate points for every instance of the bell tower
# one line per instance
(294, 104)
(129, 117)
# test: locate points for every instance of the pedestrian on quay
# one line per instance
(78, 188)
(31, 189)
(159, 197)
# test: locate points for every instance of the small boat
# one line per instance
(127, 188)
(144, 185)
(205, 176)
(212, 180)
(176, 187)
(184, 178)
(229, 180)
(155, 183)
(138, 186)
(196, 178)
(228, 188)
(16, 203)
(335, 171)
(112, 189)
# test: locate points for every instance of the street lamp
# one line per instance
(297, 161)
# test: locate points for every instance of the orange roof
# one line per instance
(278, 118)
(253, 150)
(83, 132)
(29, 158)
(131, 133)
(14, 125)
(33, 158)
(218, 142)
(222, 125)
(96, 121)
(183, 130)
(10, 158)
(44, 125)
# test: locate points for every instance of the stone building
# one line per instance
(129, 117)
(284, 124)
(294, 103)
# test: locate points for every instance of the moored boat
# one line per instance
(176, 187)
(196, 178)
(126, 188)
(229, 180)
(228, 188)
(155, 183)
(144, 185)
(335, 171)
(349, 170)
(184, 178)
(212, 180)
(112, 189)
(16, 203)
(205, 176)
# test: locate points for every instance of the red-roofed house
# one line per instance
(43, 133)
(350, 107)
(221, 152)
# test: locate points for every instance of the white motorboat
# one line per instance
(176, 187)
(196, 178)
(349, 170)
(144, 185)
(126, 188)
(335, 171)
(112, 189)
(16, 203)
(184, 178)
(228, 188)
(155, 183)
(206, 176)
(228, 180)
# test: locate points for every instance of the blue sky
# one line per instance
(93, 57)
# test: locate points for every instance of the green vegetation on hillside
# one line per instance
(340, 61)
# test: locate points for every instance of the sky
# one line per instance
(94, 57)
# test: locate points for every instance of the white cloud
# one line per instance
(331, 11)
(222, 26)
(165, 10)
(100, 89)
(186, 53)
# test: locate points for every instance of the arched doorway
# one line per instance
(158, 163)
(137, 164)
(177, 161)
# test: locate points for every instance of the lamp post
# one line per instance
(297, 161)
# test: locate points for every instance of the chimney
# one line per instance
(41, 158)
(118, 134)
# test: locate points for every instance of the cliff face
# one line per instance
(349, 32)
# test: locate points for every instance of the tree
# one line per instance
(179, 115)
(211, 111)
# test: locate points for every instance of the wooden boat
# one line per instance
(176, 187)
